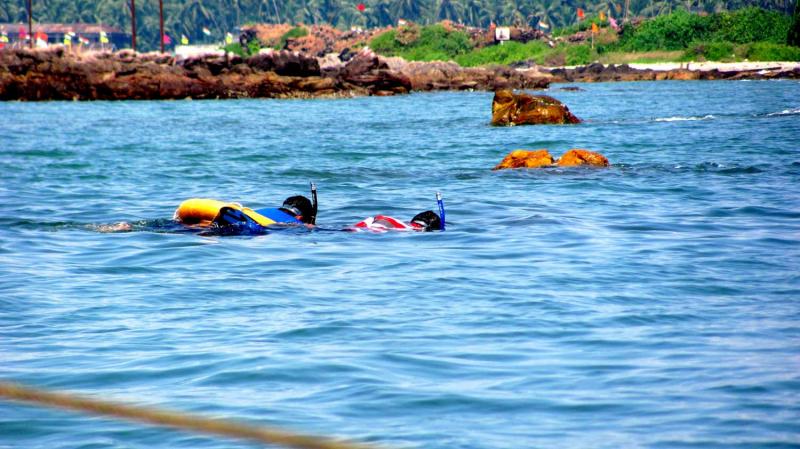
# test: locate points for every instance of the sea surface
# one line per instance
(652, 304)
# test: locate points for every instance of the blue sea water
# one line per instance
(653, 304)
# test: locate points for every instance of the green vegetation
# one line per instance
(221, 16)
(428, 43)
(236, 48)
(794, 32)
(751, 33)
(298, 31)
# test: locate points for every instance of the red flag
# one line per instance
(167, 40)
(580, 14)
(361, 7)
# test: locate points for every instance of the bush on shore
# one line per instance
(679, 30)
(729, 52)
(428, 43)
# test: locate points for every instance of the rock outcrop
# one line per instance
(577, 156)
(55, 74)
(509, 108)
(439, 75)
(542, 158)
(526, 159)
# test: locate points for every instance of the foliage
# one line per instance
(252, 48)
(220, 16)
(753, 25)
(294, 33)
(729, 52)
(435, 42)
(793, 37)
(680, 29)
(507, 53)
(710, 51)
(670, 32)
(768, 51)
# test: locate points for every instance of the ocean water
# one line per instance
(653, 304)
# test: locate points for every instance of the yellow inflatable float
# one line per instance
(203, 212)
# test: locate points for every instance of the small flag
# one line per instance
(228, 38)
(595, 28)
(581, 15)
(613, 23)
(602, 16)
(83, 40)
(544, 25)
(166, 39)
(206, 31)
(103, 37)
(361, 7)
(184, 40)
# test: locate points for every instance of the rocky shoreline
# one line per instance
(601, 73)
(55, 74)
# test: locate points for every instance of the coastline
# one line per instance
(685, 71)
(56, 74)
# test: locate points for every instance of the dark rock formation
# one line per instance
(509, 108)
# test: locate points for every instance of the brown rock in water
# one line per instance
(525, 159)
(577, 156)
(509, 108)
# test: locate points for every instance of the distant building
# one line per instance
(91, 35)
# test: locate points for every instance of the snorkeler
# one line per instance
(423, 221)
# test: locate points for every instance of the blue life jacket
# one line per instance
(278, 215)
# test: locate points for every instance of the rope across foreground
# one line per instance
(174, 419)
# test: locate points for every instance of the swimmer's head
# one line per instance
(427, 221)
(300, 207)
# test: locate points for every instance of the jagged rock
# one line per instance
(523, 109)
(577, 156)
(526, 159)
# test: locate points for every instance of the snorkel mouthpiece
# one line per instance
(441, 210)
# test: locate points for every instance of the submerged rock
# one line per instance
(525, 159)
(577, 156)
(509, 108)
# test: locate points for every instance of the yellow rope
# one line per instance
(18, 392)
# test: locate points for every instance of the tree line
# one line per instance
(218, 17)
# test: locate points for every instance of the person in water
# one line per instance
(423, 221)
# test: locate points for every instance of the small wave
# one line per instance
(794, 111)
(685, 119)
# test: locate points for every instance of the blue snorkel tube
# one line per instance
(314, 203)
(441, 210)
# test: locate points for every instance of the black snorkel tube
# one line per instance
(441, 210)
(313, 220)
